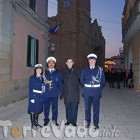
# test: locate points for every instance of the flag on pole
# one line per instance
(54, 29)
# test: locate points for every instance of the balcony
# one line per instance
(133, 23)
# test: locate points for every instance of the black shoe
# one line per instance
(36, 121)
(40, 126)
(55, 123)
(96, 127)
(87, 126)
(67, 123)
(45, 124)
(74, 124)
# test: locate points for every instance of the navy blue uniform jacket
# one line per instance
(35, 84)
(86, 78)
(57, 86)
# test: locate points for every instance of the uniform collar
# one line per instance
(38, 75)
(52, 70)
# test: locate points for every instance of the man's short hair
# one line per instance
(69, 58)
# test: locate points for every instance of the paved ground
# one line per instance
(120, 112)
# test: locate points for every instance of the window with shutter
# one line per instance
(32, 4)
(32, 51)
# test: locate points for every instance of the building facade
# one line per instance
(23, 43)
(98, 42)
(131, 39)
(74, 38)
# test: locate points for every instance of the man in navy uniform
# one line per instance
(53, 89)
(93, 81)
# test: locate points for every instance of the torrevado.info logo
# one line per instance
(69, 131)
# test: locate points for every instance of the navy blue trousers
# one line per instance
(89, 100)
(71, 112)
(48, 103)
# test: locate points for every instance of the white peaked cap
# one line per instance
(92, 56)
(51, 58)
(38, 66)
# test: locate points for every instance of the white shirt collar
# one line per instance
(92, 67)
(51, 69)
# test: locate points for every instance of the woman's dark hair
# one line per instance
(35, 71)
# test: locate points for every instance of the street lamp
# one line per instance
(52, 48)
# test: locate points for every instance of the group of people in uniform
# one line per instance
(46, 87)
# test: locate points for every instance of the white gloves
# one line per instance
(32, 101)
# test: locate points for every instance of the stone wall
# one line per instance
(136, 60)
(6, 32)
(14, 87)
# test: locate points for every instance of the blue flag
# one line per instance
(55, 28)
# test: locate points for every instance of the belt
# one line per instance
(37, 91)
(87, 85)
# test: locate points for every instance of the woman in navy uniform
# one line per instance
(93, 80)
(36, 93)
(53, 89)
